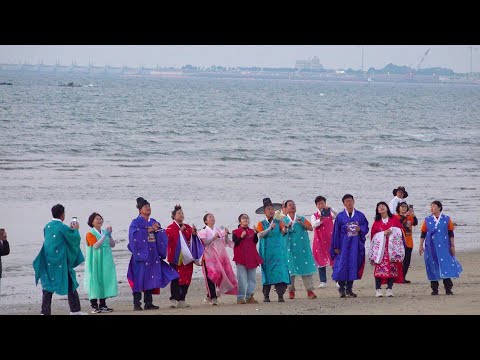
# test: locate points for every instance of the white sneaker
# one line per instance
(378, 293)
(182, 304)
(173, 303)
(214, 301)
(389, 293)
(322, 285)
(338, 285)
(78, 313)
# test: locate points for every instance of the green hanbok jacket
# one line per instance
(59, 255)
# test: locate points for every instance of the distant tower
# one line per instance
(471, 57)
(362, 57)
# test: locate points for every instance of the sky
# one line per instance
(455, 57)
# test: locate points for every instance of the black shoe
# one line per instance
(406, 281)
(351, 294)
(266, 299)
(342, 294)
(151, 307)
(96, 310)
(280, 298)
(448, 292)
(105, 309)
(435, 292)
(137, 308)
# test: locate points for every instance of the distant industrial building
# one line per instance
(312, 64)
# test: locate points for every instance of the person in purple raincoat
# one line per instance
(147, 271)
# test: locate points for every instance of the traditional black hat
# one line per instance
(141, 202)
(267, 202)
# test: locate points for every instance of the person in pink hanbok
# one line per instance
(387, 249)
(322, 222)
(218, 272)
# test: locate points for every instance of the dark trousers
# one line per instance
(212, 293)
(280, 289)
(322, 272)
(447, 283)
(348, 284)
(178, 292)
(378, 283)
(147, 297)
(94, 303)
(406, 261)
(73, 299)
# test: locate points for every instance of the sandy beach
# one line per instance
(20, 297)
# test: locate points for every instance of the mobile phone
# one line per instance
(325, 212)
(74, 219)
(410, 207)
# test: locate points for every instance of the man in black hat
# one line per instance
(400, 193)
(273, 251)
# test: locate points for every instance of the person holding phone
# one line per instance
(4, 250)
(56, 261)
(406, 215)
(322, 223)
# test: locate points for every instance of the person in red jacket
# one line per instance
(247, 259)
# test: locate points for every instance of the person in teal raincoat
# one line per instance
(55, 263)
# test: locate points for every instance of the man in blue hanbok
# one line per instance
(348, 246)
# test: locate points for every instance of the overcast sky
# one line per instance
(456, 57)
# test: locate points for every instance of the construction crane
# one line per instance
(423, 58)
(411, 75)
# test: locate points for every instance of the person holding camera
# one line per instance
(56, 261)
(322, 223)
(4, 250)
(407, 218)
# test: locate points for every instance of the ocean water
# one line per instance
(221, 145)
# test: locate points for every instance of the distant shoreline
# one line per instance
(245, 75)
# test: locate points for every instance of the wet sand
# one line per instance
(20, 296)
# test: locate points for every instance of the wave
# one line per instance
(419, 137)
(134, 166)
(235, 158)
(16, 168)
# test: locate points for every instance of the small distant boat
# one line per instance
(6, 83)
(70, 84)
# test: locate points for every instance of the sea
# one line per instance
(222, 145)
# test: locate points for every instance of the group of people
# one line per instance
(279, 244)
